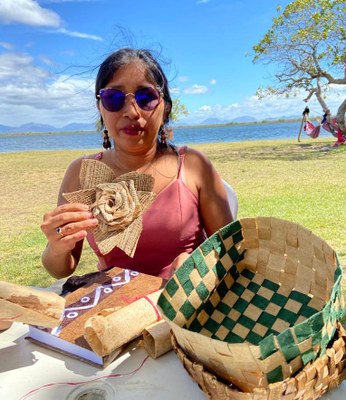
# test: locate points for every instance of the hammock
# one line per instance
(331, 126)
(311, 130)
(314, 131)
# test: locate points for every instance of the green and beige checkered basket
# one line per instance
(255, 302)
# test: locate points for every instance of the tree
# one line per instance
(307, 42)
(178, 109)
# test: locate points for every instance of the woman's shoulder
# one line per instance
(95, 156)
(195, 157)
(71, 179)
(198, 170)
(76, 163)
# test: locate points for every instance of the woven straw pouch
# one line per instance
(314, 380)
(256, 301)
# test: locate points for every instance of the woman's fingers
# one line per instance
(70, 207)
(65, 209)
(70, 228)
(68, 220)
(67, 243)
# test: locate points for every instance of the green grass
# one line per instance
(303, 183)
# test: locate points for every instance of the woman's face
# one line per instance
(132, 128)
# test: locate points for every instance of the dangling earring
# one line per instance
(165, 134)
(106, 142)
(162, 137)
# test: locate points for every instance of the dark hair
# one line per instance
(125, 56)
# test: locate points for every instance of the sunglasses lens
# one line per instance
(112, 99)
(147, 98)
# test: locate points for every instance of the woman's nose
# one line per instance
(131, 108)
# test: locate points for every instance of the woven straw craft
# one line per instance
(314, 380)
(117, 202)
(256, 301)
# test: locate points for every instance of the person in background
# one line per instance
(134, 103)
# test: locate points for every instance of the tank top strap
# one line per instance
(98, 156)
(181, 155)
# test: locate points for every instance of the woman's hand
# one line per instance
(178, 261)
(66, 225)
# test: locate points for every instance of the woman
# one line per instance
(134, 103)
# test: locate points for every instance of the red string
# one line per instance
(48, 385)
(158, 315)
(132, 299)
(11, 318)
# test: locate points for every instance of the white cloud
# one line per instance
(27, 12)
(32, 94)
(202, 1)
(29, 45)
(174, 90)
(269, 107)
(46, 60)
(68, 53)
(79, 34)
(196, 89)
(6, 45)
(15, 68)
(183, 78)
(213, 82)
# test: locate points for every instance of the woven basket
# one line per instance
(256, 301)
(314, 380)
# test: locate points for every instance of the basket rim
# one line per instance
(334, 360)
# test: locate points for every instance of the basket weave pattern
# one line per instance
(256, 302)
(314, 380)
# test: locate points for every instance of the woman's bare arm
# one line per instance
(63, 250)
(203, 179)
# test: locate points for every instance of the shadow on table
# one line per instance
(24, 356)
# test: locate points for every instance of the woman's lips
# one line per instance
(132, 130)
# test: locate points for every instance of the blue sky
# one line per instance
(50, 50)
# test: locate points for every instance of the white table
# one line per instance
(25, 366)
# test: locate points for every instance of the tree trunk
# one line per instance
(320, 99)
(340, 117)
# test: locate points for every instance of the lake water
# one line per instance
(196, 135)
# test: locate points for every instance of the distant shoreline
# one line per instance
(262, 122)
(32, 133)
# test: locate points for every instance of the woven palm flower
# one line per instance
(117, 202)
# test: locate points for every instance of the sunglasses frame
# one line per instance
(104, 90)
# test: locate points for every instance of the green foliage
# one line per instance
(178, 110)
(307, 43)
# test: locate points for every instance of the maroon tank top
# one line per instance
(172, 225)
